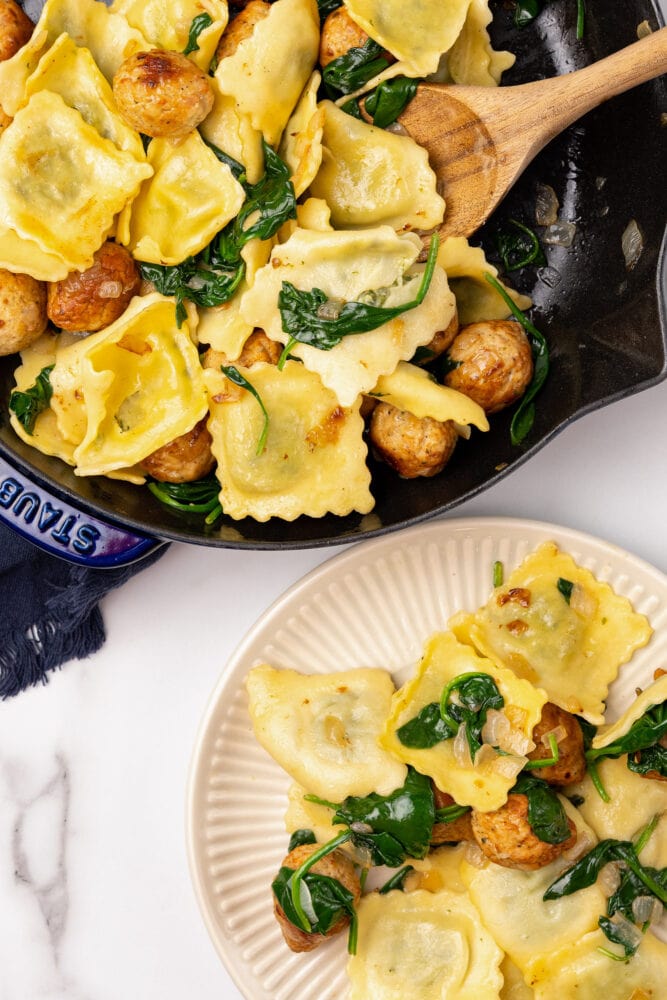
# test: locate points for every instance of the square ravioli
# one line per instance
(323, 728)
(553, 623)
(485, 786)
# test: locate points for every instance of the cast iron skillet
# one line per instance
(606, 326)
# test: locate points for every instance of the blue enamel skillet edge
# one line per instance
(606, 325)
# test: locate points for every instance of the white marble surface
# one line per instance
(95, 897)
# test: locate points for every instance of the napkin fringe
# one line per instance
(27, 656)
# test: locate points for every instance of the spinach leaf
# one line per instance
(389, 99)
(272, 199)
(426, 729)
(652, 759)
(235, 376)
(390, 827)
(450, 813)
(237, 169)
(326, 7)
(315, 903)
(351, 107)
(475, 694)
(565, 587)
(526, 11)
(644, 732)
(546, 815)
(630, 888)
(581, 18)
(198, 497)
(199, 24)
(615, 933)
(498, 573)
(305, 319)
(524, 416)
(356, 67)
(27, 404)
(585, 871)
(300, 837)
(397, 880)
(518, 248)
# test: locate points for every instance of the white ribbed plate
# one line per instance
(373, 605)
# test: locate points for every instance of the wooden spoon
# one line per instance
(480, 139)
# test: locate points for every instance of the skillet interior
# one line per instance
(606, 326)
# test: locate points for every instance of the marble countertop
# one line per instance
(96, 901)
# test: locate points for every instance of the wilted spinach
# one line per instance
(426, 729)
(518, 248)
(352, 70)
(546, 815)
(475, 694)
(199, 24)
(389, 99)
(198, 497)
(302, 836)
(235, 376)
(397, 880)
(644, 733)
(27, 404)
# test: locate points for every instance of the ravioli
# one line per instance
(314, 458)
(423, 944)
(525, 926)
(322, 728)
(188, 200)
(71, 71)
(370, 177)
(46, 434)
(345, 265)
(269, 69)
(24, 256)
(223, 326)
(483, 787)
(411, 388)
(476, 299)
(232, 131)
(633, 802)
(654, 694)
(571, 648)
(472, 59)
(166, 24)
(141, 383)
(419, 39)
(301, 144)
(77, 183)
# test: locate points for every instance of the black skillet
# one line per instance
(606, 324)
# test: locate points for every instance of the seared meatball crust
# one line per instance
(571, 766)
(454, 831)
(506, 837)
(412, 446)
(494, 363)
(162, 94)
(241, 27)
(15, 28)
(22, 311)
(92, 299)
(183, 460)
(335, 865)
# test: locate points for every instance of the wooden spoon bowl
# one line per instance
(480, 139)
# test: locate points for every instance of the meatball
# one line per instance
(339, 34)
(440, 341)
(94, 298)
(15, 28)
(412, 446)
(335, 865)
(241, 27)
(506, 837)
(456, 829)
(22, 311)
(571, 766)
(257, 348)
(494, 363)
(185, 459)
(162, 94)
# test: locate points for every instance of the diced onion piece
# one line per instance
(474, 856)
(610, 878)
(509, 766)
(629, 935)
(582, 601)
(646, 910)
(644, 29)
(460, 748)
(559, 734)
(496, 727)
(546, 205)
(560, 234)
(110, 290)
(485, 757)
(632, 244)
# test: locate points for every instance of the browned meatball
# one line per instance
(22, 311)
(494, 363)
(241, 27)
(440, 342)
(412, 446)
(94, 298)
(571, 766)
(185, 459)
(15, 28)
(456, 829)
(257, 348)
(162, 94)
(335, 865)
(506, 837)
(339, 34)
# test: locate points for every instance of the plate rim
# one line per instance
(442, 527)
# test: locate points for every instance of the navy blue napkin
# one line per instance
(49, 610)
